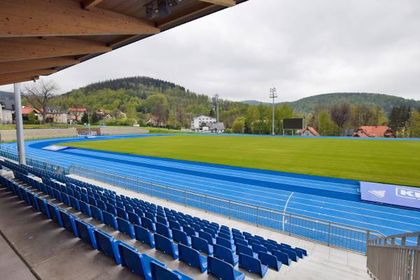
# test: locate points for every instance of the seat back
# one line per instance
(220, 269)
(165, 245)
(96, 213)
(224, 242)
(189, 231)
(110, 220)
(126, 227)
(181, 237)
(85, 208)
(259, 248)
(163, 230)
(144, 235)
(134, 218)
(241, 249)
(200, 244)
(68, 222)
(147, 223)
(269, 260)
(282, 257)
(252, 264)
(107, 244)
(132, 259)
(224, 253)
(192, 257)
(85, 232)
(207, 236)
(161, 272)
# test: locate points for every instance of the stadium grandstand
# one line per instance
(69, 213)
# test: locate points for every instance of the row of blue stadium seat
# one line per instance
(122, 253)
(160, 227)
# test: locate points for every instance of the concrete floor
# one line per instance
(53, 253)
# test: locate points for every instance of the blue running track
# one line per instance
(331, 199)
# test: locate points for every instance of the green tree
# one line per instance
(414, 124)
(238, 125)
(85, 118)
(157, 105)
(326, 126)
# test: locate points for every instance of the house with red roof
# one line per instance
(309, 131)
(75, 114)
(374, 131)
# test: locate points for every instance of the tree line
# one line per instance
(151, 102)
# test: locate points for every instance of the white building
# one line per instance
(198, 123)
(7, 107)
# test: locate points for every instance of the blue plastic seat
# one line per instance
(65, 199)
(147, 223)
(110, 220)
(54, 215)
(225, 242)
(134, 261)
(259, 248)
(192, 257)
(97, 213)
(252, 265)
(304, 252)
(74, 202)
(85, 232)
(126, 227)
(163, 273)
(144, 235)
(226, 254)
(166, 246)
(107, 244)
(174, 225)
(269, 260)
(189, 231)
(68, 222)
(223, 270)
(134, 218)
(181, 237)
(121, 213)
(292, 255)
(163, 230)
(282, 257)
(42, 206)
(201, 245)
(85, 208)
(241, 242)
(207, 236)
(241, 249)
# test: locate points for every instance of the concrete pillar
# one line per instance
(19, 125)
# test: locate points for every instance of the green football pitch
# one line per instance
(384, 161)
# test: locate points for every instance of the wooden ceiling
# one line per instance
(41, 37)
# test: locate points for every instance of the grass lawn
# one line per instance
(384, 161)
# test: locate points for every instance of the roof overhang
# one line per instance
(42, 37)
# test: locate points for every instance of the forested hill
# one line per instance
(144, 99)
(386, 102)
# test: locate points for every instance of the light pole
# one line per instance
(273, 95)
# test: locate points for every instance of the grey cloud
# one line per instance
(302, 47)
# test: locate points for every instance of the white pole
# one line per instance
(273, 95)
(19, 125)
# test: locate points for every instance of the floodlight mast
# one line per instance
(273, 95)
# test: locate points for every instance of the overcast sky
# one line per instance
(302, 48)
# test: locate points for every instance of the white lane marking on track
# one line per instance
(285, 207)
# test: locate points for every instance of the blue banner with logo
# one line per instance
(391, 194)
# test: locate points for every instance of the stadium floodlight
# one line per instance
(273, 95)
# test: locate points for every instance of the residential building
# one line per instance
(309, 131)
(374, 131)
(199, 123)
(7, 107)
(75, 114)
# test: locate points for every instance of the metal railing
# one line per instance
(394, 257)
(325, 232)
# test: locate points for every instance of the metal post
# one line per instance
(273, 95)
(19, 125)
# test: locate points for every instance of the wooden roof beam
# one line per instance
(43, 18)
(35, 64)
(225, 3)
(18, 49)
(24, 76)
